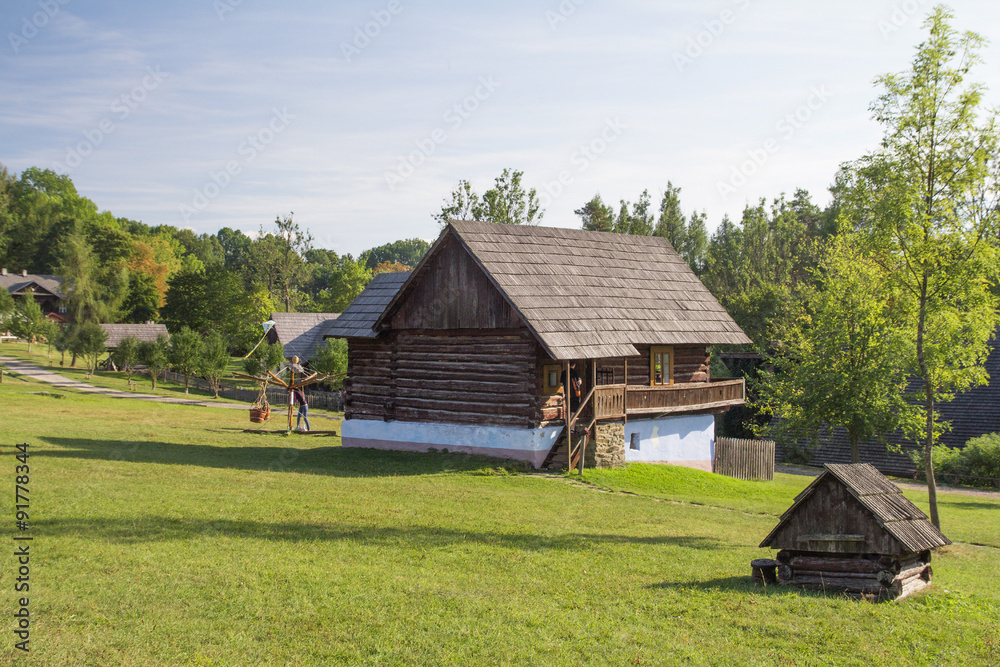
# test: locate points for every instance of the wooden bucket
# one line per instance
(260, 415)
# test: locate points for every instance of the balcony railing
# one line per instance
(618, 400)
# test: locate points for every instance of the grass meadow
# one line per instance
(166, 535)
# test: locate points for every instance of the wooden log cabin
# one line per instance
(472, 350)
(853, 531)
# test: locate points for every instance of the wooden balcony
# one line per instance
(615, 401)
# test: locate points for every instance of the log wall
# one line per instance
(456, 377)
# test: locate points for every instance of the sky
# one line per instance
(361, 117)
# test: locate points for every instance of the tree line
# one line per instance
(121, 270)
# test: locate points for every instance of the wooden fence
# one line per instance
(744, 459)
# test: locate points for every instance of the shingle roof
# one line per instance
(15, 283)
(358, 318)
(883, 499)
(301, 333)
(142, 332)
(595, 294)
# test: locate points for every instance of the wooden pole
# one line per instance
(625, 391)
(291, 388)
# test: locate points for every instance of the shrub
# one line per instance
(978, 459)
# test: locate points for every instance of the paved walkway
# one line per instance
(42, 375)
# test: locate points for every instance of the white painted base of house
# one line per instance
(687, 440)
(523, 444)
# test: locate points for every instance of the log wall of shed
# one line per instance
(456, 377)
(832, 510)
(453, 292)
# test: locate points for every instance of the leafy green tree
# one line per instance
(126, 355)
(671, 224)
(290, 270)
(94, 293)
(88, 342)
(154, 355)
(185, 353)
(266, 357)
(842, 361)
(7, 306)
(506, 202)
(28, 321)
(142, 303)
(756, 267)
(695, 244)
(331, 357)
(213, 360)
(596, 216)
(407, 251)
(926, 203)
(347, 279)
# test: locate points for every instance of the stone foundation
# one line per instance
(607, 448)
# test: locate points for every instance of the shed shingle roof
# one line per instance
(883, 499)
(358, 319)
(301, 334)
(594, 294)
(141, 332)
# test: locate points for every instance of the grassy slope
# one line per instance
(166, 535)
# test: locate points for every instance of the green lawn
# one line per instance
(166, 535)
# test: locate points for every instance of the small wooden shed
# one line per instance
(853, 531)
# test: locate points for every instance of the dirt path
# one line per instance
(42, 375)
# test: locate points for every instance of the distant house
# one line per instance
(472, 350)
(301, 334)
(141, 332)
(47, 290)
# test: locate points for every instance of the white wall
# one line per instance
(687, 440)
(524, 444)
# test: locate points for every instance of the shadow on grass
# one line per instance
(735, 584)
(973, 505)
(159, 528)
(330, 460)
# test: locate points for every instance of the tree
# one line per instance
(408, 252)
(290, 270)
(695, 244)
(596, 216)
(506, 202)
(142, 303)
(153, 354)
(266, 357)
(7, 306)
(331, 357)
(671, 224)
(213, 360)
(841, 363)
(926, 205)
(88, 342)
(391, 267)
(28, 322)
(185, 353)
(126, 355)
(347, 279)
